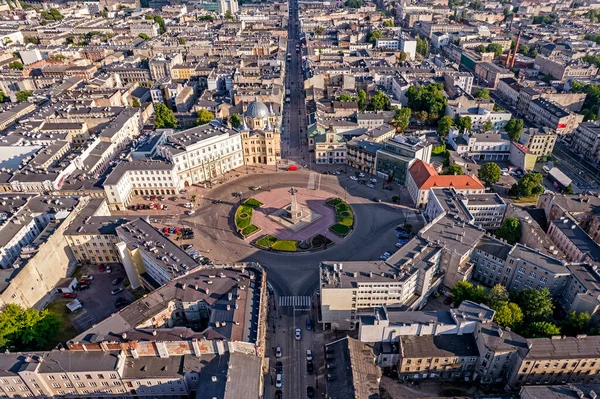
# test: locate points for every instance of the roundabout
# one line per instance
(217, 235)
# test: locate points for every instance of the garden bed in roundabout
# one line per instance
(344, 217)
(271, 243)
(243, 218)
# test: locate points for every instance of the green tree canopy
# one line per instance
(235, 121)
(536, 304)
(576, 323)
(144, 36)
(354, 3)
(464, 290)
(345, 97)
(181, 40)
(204, 116)
(453, 169)
(488, 126)
(444, 125)
(401, 118)
(23, 95)
(319, 30)
(508, 314)
(510, 230)
(16, 65)
(164, 117)
(27, 329)
(228, 15)
(542, 329)
(135, 103)
(380, 101)
(514, 128)
(569, 189)
(489, 173)
(52, 15)
(464, 124)
(362, 99)
(495, 48)
(530, 185)
(422, 46)
(483, 93)
(373, 36)
(389, 23)
(496, 296)
(429, 98)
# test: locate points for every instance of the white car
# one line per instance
(353, 178)
(370, 185)
(361, 174)
(373, 180)
(298, 334)
(279, 382)
(308, 355)
(190, 212)
(278, 353)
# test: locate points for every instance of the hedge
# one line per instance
(248, 230)
(243, 217)
(254, 203)
(334, 202)
(340, 229)
(266, 241)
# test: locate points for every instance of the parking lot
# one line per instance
(98, 302)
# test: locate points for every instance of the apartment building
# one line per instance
(361, 154)
(140, 177)
(539, 141)
(463, 80)
(481, 146)
(570, 238)
(151, 29)
(204, 152)
(562, 68)
(586, 140)
(491, 73)
(405, 280)
(160, 65)
(547, 113)
(371, 120)
(398, 154)
(582, 292)
(480, 115)
(475, 206)
(422, 178)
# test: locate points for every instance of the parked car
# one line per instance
(116, 291)
(70, 295)
(361, 174)
(309, 367)
(279, 382)
(85, 282)
(189, 213)
(216, 201)
(353, 178)
(370, 185)
(187, 246)
(83, 287)
(278, 394)
(116, 281)
(310, 392)
(388, 188)
(308, 324)
(101, 268)
(375, 200)
(308, 355)
(278, 352)
(255, 188)
(121, 302)
(87, 277)
(279, 368)
(373, 180)
(298, 334)
(108, 269)
(188, 205)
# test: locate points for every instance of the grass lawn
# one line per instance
(254, 203)
(266, 241)
(285, 245)
(77, 273)
(67, 331)
(525, 200)
(243, 217)
(340, 229)
(344, 214)
(249, 230)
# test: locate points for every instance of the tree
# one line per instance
(530, 185)
(354, 3)
(453, 169)
(510, 230)
(345, 97)
(52, 15)
(488, 126)
(23, 95)
(524, 49)
(444, 125)
(489, 173)
(429, 98)
(104, 14)
(480, 48)
(373, 36)
(542, 329)
(569, 189)
(144, 36)
(235, 121)
(401, 118)
(576, 86)
(204, 116)
(228, 15)
(362, 99)
(422, 46)
(495, 48)
(181, 40)
(159, 20)
(496, 296)
(164, 117)
(380, 101)
(2, 96)
(16, 65)
(389, 23)
(421, 116)
(464, 124)
(536, 304)
(514, 128)
(135, 103)
(208, 18)
(319, 30)
(27, 329)
(461, 292)
(402, 56)
(483, 93)
(576, 323)
(508, 314)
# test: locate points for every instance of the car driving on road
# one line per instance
(298, 334)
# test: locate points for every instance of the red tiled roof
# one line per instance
(425, 177)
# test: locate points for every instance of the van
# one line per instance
(308, 324)
(74, 305)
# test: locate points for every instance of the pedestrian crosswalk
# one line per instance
(312, 180)
(296, 301)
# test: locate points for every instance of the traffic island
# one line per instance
(243, 218)
(344, 217)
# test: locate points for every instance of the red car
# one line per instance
(293, 167)
(165, 230)
(71, 295)
(101, 268)
(85, 282)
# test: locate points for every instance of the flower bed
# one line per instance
(266, 241)
(340, 229)
(249, 230)
(285, 245)
(254, 203)
(243, 217)
(344, 217)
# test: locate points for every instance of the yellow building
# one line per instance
(261, 138)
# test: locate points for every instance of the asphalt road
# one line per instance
(580, 171)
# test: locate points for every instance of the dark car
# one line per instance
(279, 367)
(121, 302)
(375, 200)
(278, 394)
(83, 287)
(309, 367)
(310, 392)
(117, 281)
(85, 282)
